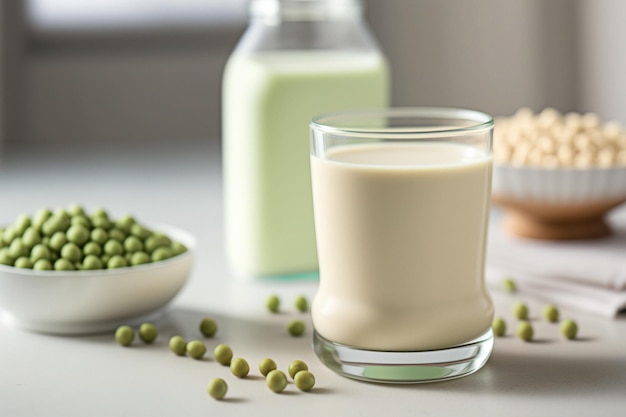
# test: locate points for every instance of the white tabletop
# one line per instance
(42, 375)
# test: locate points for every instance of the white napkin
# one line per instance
(588, 275)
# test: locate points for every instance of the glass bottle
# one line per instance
(297, 59)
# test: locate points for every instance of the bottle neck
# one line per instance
(273, 11)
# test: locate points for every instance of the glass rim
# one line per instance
(477, 122)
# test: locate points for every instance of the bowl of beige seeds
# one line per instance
(558, 175)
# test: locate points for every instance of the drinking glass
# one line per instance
(401, 205)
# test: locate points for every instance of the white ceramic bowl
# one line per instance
(78, 302)
(560, 185)
(560, 203)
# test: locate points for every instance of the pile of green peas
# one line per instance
(71, 239)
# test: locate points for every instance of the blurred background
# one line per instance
(77, 72)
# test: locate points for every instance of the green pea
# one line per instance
(92, 248)
(116, 261)
(6, 258)
(40, 217)
(156, 241)
(71, 252)
(140, 231)
(148, 332)
(100, 213)
(499, 326)
(266, 366)
(31, 237)
(78, 234)
(178, 345)
(38, 252)
(105, 259)
(217, 388)
(78, 266)
(125, 223)
(8, 235)
(128, 257)
(223, 354)
(133, 244)
(53, 257)
(524, 331)
(21, 224)
(569, 329)
(521, 311)
(23, 262)
(76, 210)
(297, 366)
(139, 258)
(92, 262)
(509, 285)
(17, 249)
(196, 349)
(178, 248)
(117, 234)
(60, 212)
(55, 224)
(276, 381)
(124, 335)
(161, 253)
(301, 304)
(273, 303)
(101, 223)
(62, 264)
(42, 265)
(239, 367)
(551, 313)
(304, 380)
(81, 220)
(296, 328)
(99, 235)
(57, 241)
(208, 327)
(113, 247)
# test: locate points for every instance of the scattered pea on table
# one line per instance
(297, 366)
(239, 367)
(223, 354)
(148, 332)
(296, 328)
(273, 303)
(208, 327)
(276, 381)
(217, 388)
(124, 335)
(196, 349)
(178, 345)
(266, 366)
(304, 380)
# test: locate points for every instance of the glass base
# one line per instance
(405, 367)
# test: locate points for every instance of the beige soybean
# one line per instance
(552, 140)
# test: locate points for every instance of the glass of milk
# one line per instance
(401, 206)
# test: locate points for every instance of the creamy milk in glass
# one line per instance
(401, 230)
(269, 99)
